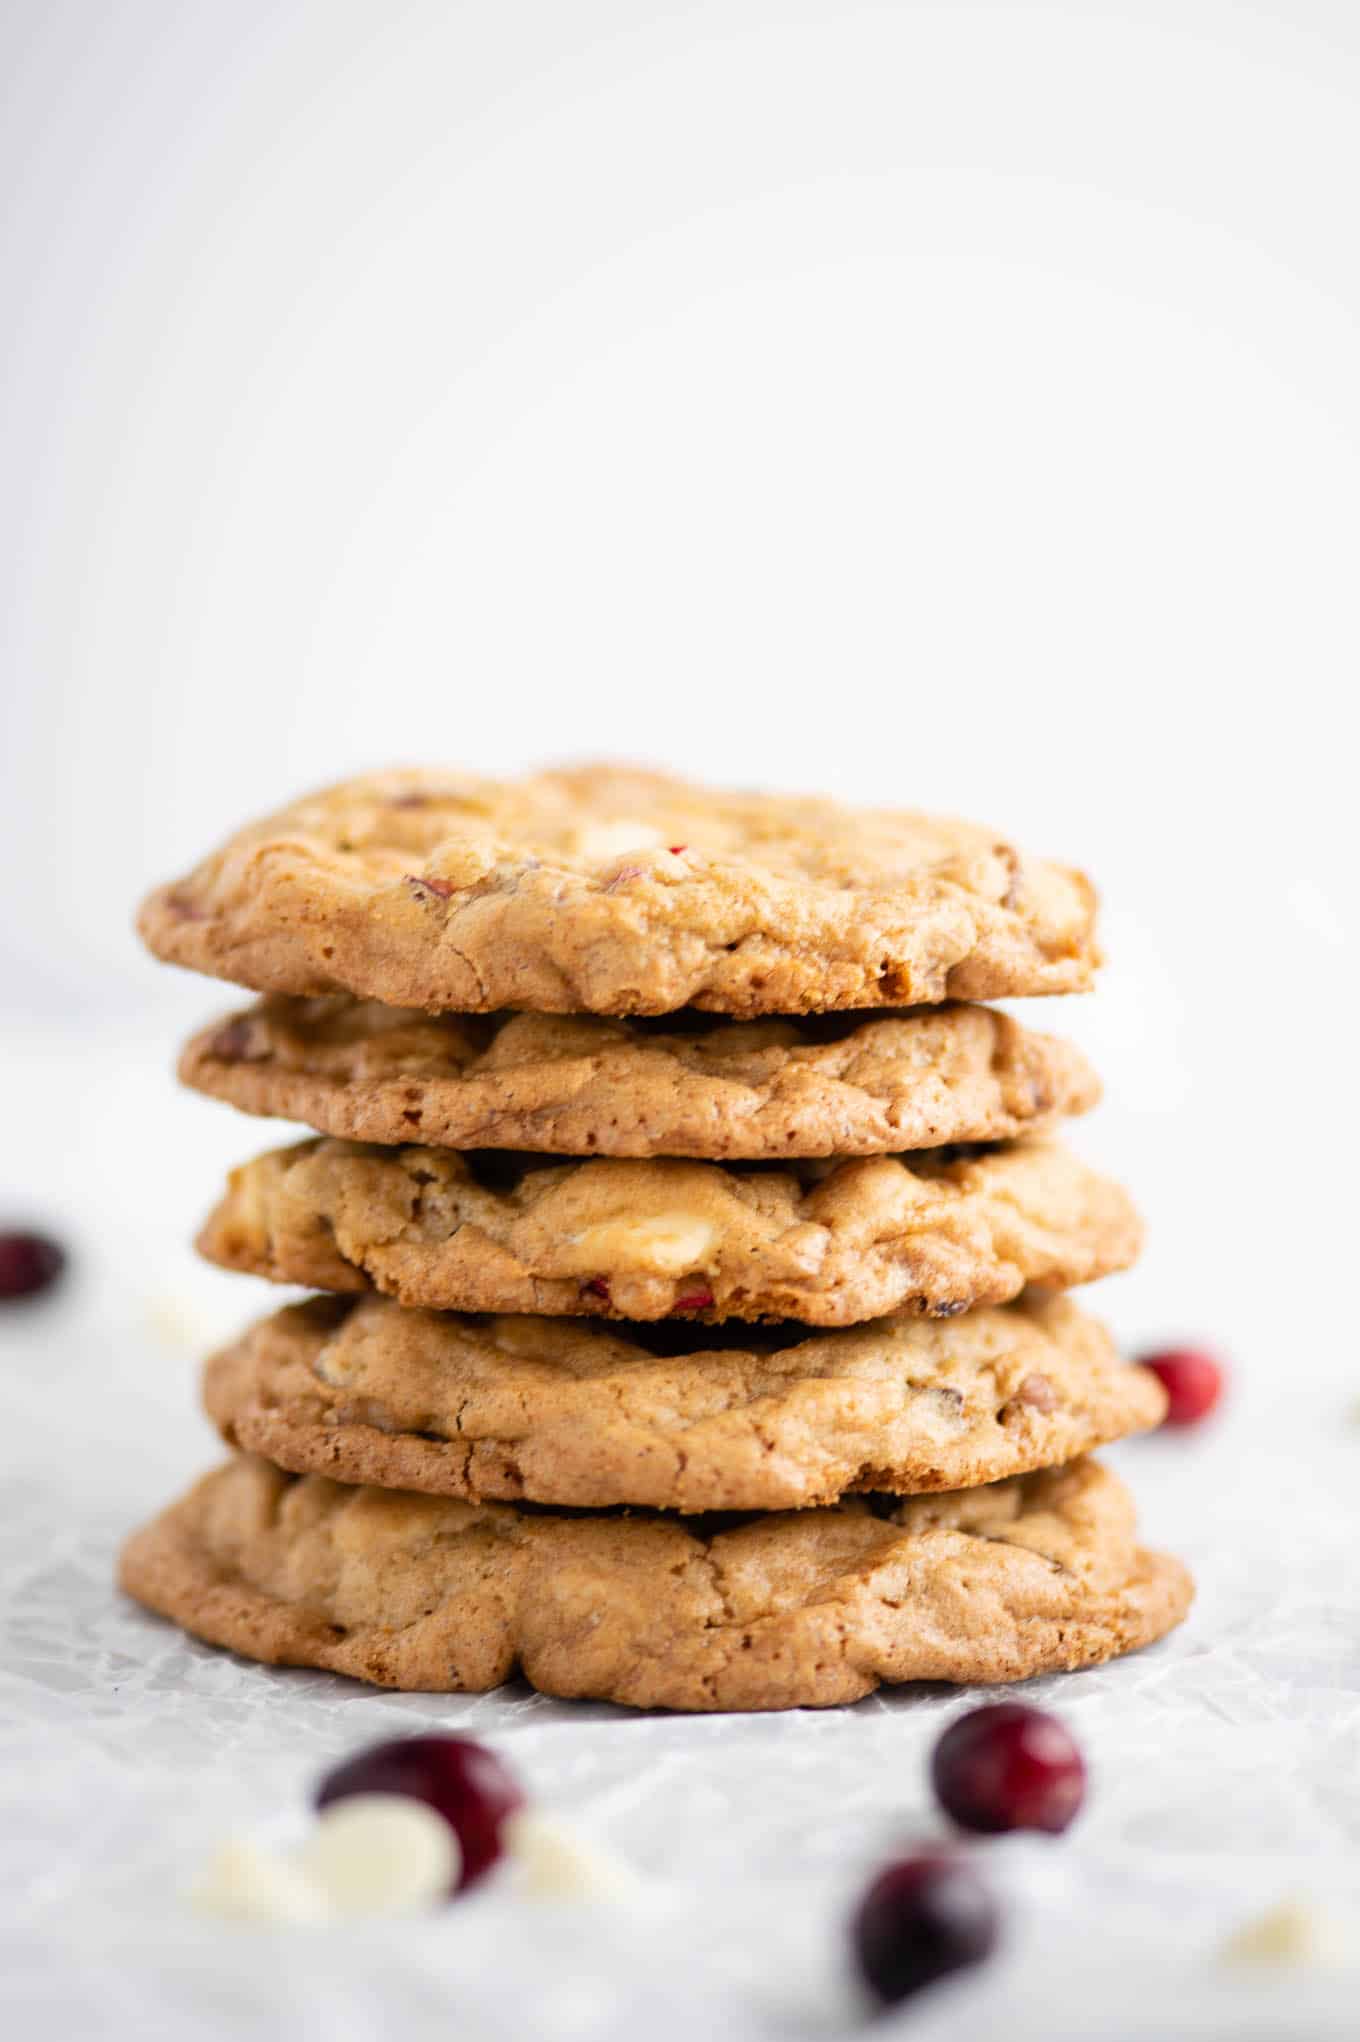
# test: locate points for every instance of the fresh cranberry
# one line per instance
(1007, 1766)
(1192, 1379)
(468, 1785)
(29, 1263)
(922, 1918)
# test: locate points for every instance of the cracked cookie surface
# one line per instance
(609, 890)
(589, 1416)
(808, 1608)
(830, 1243)
(583, 1084)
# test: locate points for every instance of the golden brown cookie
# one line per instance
(830, 1243)
(609, 890)
(558, 1412)
(581, 1084)
(799, 1609)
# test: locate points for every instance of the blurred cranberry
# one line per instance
(1008, 1766)
(1193, 1380)
(922, 1918)
(693, 1301)
(29, 1263)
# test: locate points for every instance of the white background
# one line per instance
(951, 405)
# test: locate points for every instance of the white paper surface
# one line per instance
(1225, 1763)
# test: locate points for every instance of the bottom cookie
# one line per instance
(801, 1609)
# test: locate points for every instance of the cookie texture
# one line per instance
(608, 890)
(591, 1417)
(583, 1084)
(807, 1608)
(938, 1230)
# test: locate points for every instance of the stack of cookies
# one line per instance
(691, 1258)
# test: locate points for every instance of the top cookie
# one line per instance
(609, 890)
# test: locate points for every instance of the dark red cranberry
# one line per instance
(922, 1918)
(468, 1785)
(1193, 1381)
(29, 1263)
(1007, 1766)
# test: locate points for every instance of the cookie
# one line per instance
(607, 890)
(585, 1416)
(798, 1609)
(844, 1085)
(831, 1243)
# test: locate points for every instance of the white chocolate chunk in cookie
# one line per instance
(604, 842)
(669, 1244)
(338, 1364)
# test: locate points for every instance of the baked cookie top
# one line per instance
(583, 1084)
(566, 1413)
(610, 890)
(805, 1608)
(831, 1243)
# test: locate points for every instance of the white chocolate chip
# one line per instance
(606, 841)
(245, 1883)
(1288, 1934)
(672, 1244)
(557, 1864)
(249, 1205)
(381, 1854)
(335, 1366)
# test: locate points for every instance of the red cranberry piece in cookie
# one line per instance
(29, 1263)
(468, 1785)
(922, 1918)
(1193, 1380)
(1008, 1766)
(694, 1301)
